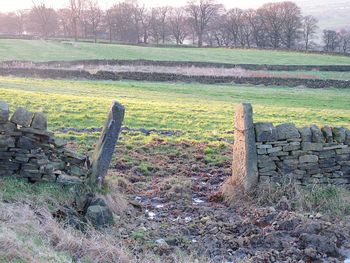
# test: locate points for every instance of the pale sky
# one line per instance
(11, 5)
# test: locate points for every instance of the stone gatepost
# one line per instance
(244, 170)
(104, 149)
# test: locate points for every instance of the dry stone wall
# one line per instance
(166, 77)
(284, 153)
(29, 150)
(307, 155)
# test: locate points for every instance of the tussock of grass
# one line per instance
(329, 200)
(32, 235)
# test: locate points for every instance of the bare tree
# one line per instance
(309, 29)
(44, 19)
(201, 13)
(291, 24)
(159, 28)
(234, 21)
(331, 40)
(20, 17)
(218, 32)
(110, 23)
(272, 18)
(94, 15)
(123, 22)
(257, 26)
(145, 20)
(8, 24)
(76, 10)
(344, 41)
(178, 25)
(64, 22)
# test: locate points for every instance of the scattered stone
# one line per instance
(99, 216)
(284, 204)
(321, 243)
(59, 142)
(68, 180)
(98, 201)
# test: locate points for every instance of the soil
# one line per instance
(177, 205)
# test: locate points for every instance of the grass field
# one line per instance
(201, 112)
(40, 50)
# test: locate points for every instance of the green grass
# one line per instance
(15, 190)
(40, 50)
(201, 112)
(311, 74)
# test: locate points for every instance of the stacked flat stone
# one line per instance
(29, 150)
(308, 155)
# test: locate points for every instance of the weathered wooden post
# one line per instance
(104, 149)
(244, 170)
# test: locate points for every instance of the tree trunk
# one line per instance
(75, 29)
(200, 39)
(110, 34)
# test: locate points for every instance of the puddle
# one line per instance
(188, 219)
(150, 215)
(198, 201)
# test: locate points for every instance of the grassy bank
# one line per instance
(40, 50)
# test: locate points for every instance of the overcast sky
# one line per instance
(11, 5)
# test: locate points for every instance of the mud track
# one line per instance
(178, 206)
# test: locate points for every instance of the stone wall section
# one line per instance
(29, 150)
(168, 77)
(307, 155)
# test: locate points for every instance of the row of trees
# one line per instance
(274, 25)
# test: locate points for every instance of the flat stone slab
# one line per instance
(22, 117)
(4, 112)
(308, 159)
(68, 180)
(37, 132)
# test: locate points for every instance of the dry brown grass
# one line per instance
(330, 200)
(24, 225)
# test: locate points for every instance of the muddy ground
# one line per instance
(175, 204)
